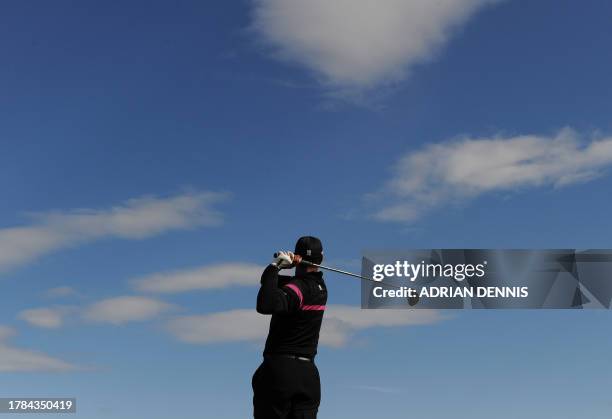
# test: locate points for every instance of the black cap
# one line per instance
(310, 249)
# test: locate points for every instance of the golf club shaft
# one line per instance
(412, 300)
(327, 268)
(340, 271)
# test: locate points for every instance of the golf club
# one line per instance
(412, 301)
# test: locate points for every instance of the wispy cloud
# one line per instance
(227, 326)
(115, 310)
(340, 323)
(357, 44)
(200, 278)
(14, 359)
(6, 332)
(468, 167)
(125, 309)
(135, 219)
(45, 317)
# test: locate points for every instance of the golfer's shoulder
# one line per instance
(284, 280)
(295, 281)
(309, 287)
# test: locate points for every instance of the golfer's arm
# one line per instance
(271, 299)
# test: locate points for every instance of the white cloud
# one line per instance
(360, 43)
(46, 317)
(125, 309)
(16, 359)
(465, 168)
(201, 278)
(135, 219)
(226, 326)
(115, 310)
(339, 324)
(6, 332)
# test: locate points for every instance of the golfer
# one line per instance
(287, 384)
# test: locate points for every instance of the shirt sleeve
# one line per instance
(272, 299)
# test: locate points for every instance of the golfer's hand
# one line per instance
(283, 260)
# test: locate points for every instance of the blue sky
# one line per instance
(154, 155)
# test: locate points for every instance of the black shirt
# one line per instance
(297, 305)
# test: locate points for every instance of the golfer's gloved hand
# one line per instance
(283, 260)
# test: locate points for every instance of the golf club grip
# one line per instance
(305, 262)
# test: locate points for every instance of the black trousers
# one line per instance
(285, 388)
